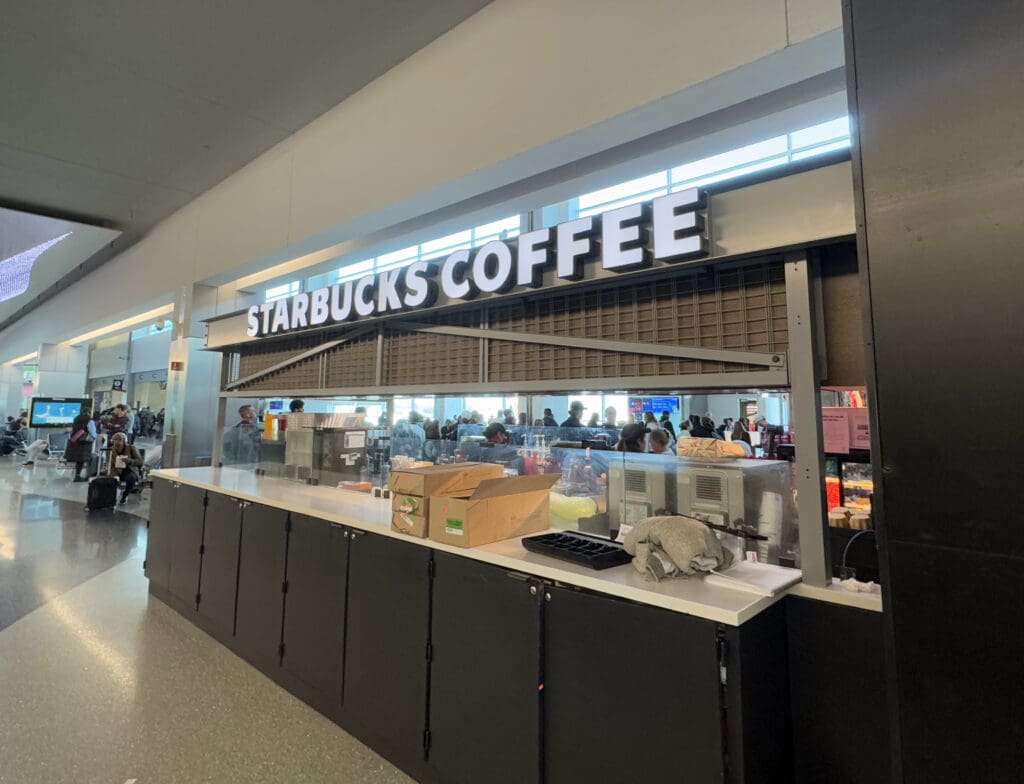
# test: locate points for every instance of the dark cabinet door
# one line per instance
(314, 607)
(218, 579)
(385, 687)
(161, 532)
(186, 539)
(631, 693)
(484, 674)
(260, 603)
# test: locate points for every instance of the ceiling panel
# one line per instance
(121, 111)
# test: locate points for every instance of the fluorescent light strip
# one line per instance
(123, 325)
(23, 359)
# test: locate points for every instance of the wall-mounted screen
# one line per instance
(54, 411)
(638, 405)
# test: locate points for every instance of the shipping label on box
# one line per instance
(443, 479)
(498, 509)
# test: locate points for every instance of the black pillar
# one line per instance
(937, 92)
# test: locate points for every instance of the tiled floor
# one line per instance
(101, 683)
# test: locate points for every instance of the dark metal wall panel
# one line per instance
(837, 681)
(937, 88)
(186, 540)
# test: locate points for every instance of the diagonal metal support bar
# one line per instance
(756, 358)
(299, 357)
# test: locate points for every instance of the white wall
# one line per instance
(109, 357)
(519, 88)
(151, 352)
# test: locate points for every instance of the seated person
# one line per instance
(659, 442)
(124, 462)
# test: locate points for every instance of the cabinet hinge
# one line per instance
(430, 652)
(206, 500)
(426, 740)
(284, 587)
(202, 549)
(280, 651)
(288, 524)
(199, 598)
(430, 568)
(723, 651)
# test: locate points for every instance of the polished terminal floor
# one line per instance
(101, 684)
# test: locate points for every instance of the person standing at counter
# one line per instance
(632, 438)
(740, 434)
(549, 418)
(408, 436)
(685, 426)
(242, 442)
(297, 406)
(666, 424)
(79, 448)
(659, 441)
(610, 415)
(575, 412)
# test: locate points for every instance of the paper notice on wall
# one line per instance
(860, 432)
(835, 430)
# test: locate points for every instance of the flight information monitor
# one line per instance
(54, 411)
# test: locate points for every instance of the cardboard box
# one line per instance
(410, 524)
(498, 509)
(409, 514)
(443, 479)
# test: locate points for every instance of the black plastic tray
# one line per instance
(578, 548)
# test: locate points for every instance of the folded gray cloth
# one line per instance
(666, 546)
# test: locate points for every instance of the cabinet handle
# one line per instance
(547, 597)
(533, 590)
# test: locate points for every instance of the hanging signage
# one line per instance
(666, 230)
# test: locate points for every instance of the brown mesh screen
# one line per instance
(353, 364)
(741, 308)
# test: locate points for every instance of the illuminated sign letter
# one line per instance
(319, 307)
(534, 255)
(265, 309)
(388, 296)
(363, 295)
(492, 267)
(300, 307)
(677, 226)
(622, 239)
(420, 290)
(254, 321)
(341, 301)
(280, 322)
(453, 281)
(575, 244)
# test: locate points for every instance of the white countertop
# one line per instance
(356, 510)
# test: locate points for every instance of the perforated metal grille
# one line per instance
(352, 364)
(741, 309)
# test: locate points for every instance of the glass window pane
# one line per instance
(840, 145)
(397, 257)
(731, 173)
(282, 291)
(622, 191)
(435, 247)
(354, 270)
(623, 203)
(497, 227)
(731, 159)
(823, 132)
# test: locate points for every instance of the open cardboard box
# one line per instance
(442, 479)
(497, 509)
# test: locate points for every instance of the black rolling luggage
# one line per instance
(102, 493)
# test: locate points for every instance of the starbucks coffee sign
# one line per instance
(666, 230)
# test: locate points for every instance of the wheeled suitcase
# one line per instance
(102, 493)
